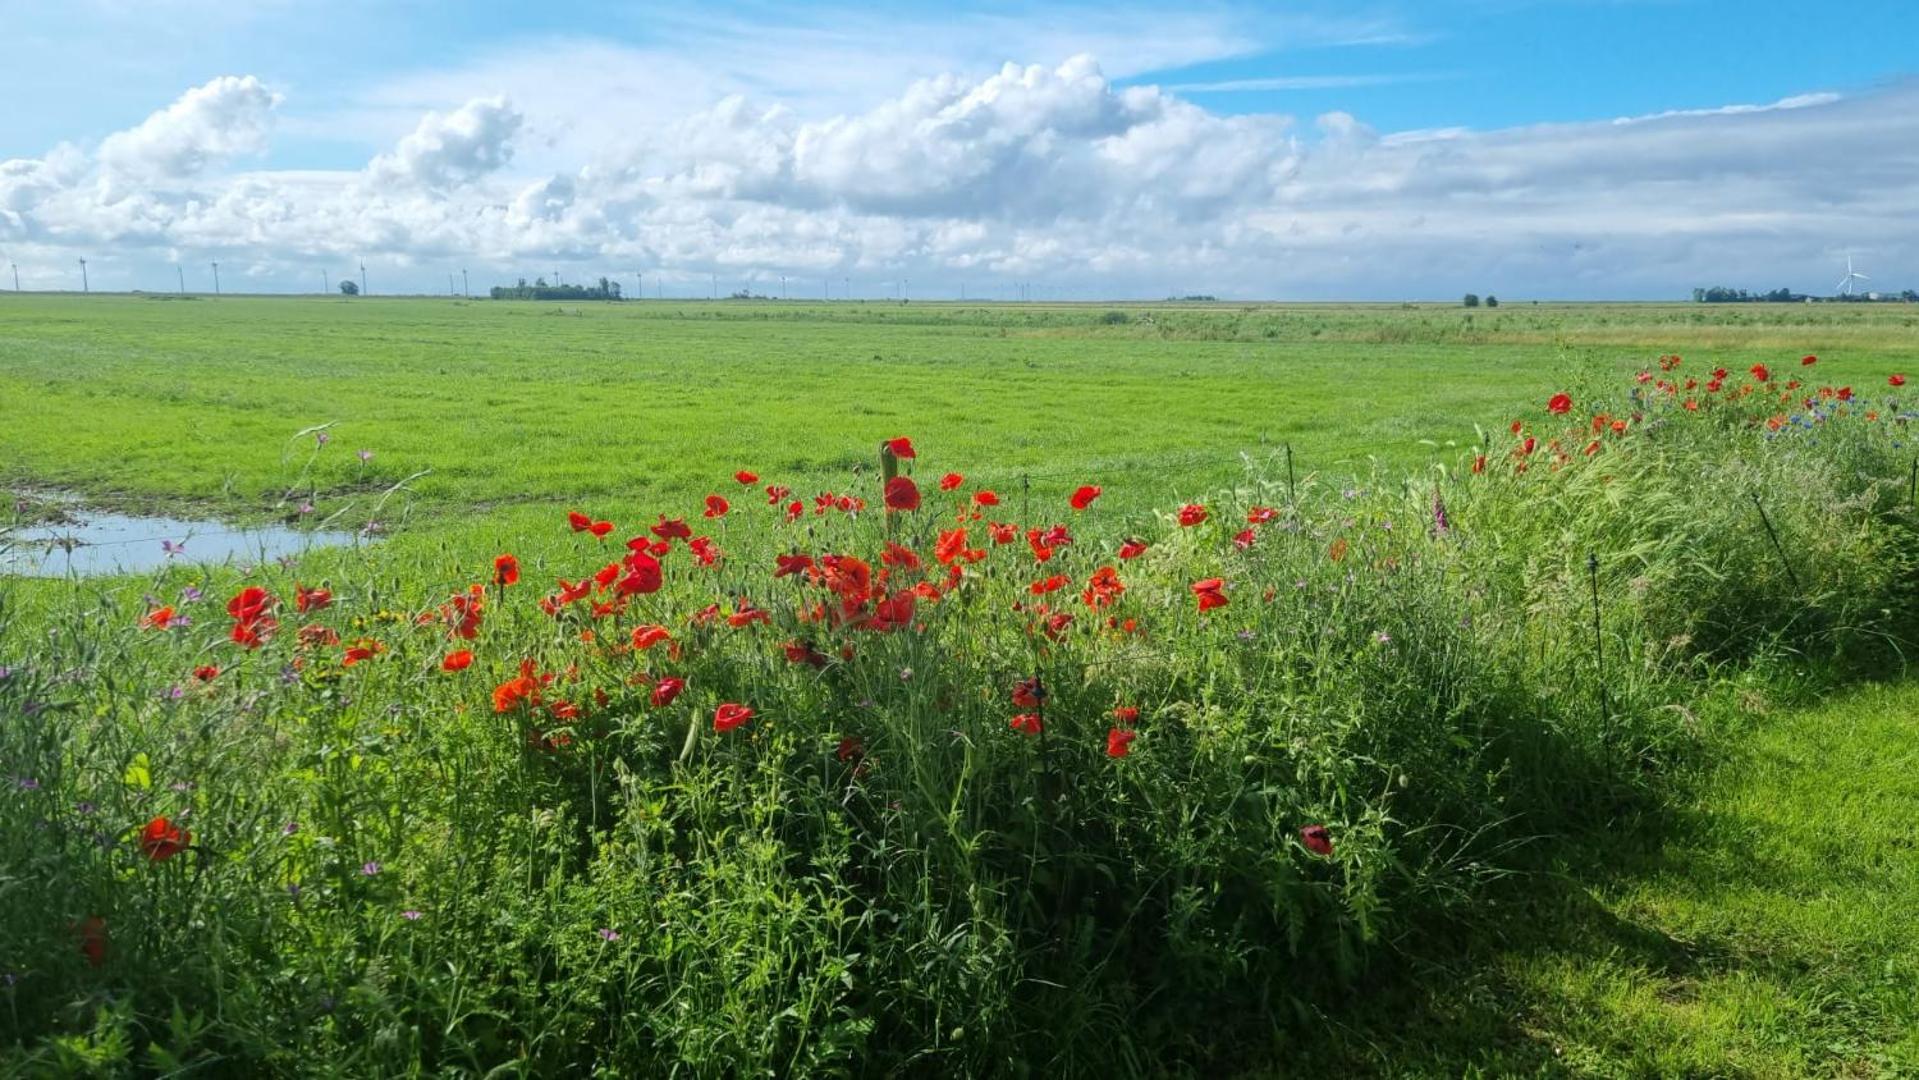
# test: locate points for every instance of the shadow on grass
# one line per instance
(1751, 927)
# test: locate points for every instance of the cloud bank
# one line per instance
(1046, 174)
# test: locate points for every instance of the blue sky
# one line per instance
(748, 133)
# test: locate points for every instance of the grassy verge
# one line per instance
(1765, 929)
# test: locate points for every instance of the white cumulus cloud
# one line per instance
(209, 124)
(447, 150)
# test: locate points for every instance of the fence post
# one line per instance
(1599, 639)
(1776, 545)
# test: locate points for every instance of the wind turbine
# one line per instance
(83, 277)
(1845, 283)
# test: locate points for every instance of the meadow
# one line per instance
(1184, 689)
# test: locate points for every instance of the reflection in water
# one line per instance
(103, 543)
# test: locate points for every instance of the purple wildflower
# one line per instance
(410, 915)
(607, 933)
(369, 868)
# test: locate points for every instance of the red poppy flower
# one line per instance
(363, 649)
(250, 603)
(1808, 361)
(158, 619)
(1317, 839)
(670, 528)
(162, 839)
(577, 521)
(1210, 593)
(666, 690)
(1896, 380)
(1026, 723)
(1084, 497)
(952, 548)
(642, 574)
(1337, 549)
(523, 688)
(645, 637)
(776, 492)
(1243, 539)
(457, 661)
(791, 564)
(1260, 515)
(1103, 589)
(1560, 404)
(1132, 549)
(705, 552)
(1029, 693)
(902, 494)
(1126, 714)
(1035, 539)
(93, 940)
(901, 447)
(1003, 532)
(506, 570)
(1479, 463)
(717, 506)
(1761, 373)
(729, 716)
(1192, 514)
(746, 615)
(1057, 581)
(1119, 742)
(746, 478)
(902, 557)
(950, 481)
(851, 748)
(985, 498)
(803, 652)
(206, 673)
(252, 624)
(305, 599)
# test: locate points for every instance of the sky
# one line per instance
(1403, 149)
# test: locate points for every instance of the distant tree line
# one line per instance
(607, 289)
(1719, 294)
(1472, 300)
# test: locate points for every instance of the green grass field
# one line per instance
(144, 401)
(1711, 874)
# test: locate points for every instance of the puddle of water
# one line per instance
(89, 544)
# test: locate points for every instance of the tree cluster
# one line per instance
(607, 289)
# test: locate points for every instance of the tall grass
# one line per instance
(392, 868)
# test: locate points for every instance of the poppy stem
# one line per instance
(1599, 640)
(692, 738)
(889, 468)
(1776, 545)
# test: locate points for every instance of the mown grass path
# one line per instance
(1770, 929)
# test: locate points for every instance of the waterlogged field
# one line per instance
(670, 726)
